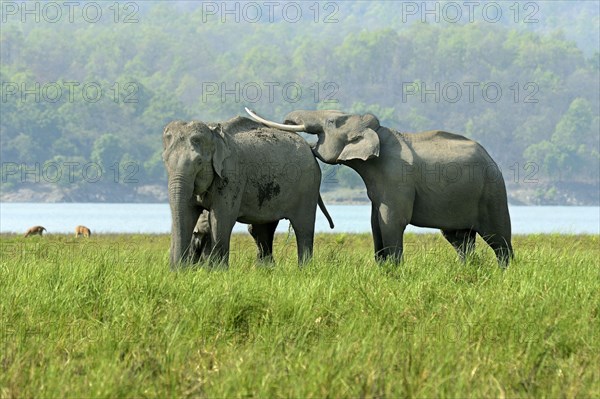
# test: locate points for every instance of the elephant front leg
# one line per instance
(392, 223)
(377, 240)
(221, 228)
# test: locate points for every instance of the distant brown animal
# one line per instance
(39, 230)
(82, 230)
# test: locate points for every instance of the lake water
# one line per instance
(156, 218)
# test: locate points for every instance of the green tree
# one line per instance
(107, 150)
(571, 147)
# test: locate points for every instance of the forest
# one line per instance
(86, 91)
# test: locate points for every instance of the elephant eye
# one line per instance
(355, 139)
(330, 122)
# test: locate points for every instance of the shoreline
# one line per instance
(541, 194)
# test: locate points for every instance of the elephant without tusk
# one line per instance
(238, 171)
(430, 179)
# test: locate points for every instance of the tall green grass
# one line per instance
(105, 317)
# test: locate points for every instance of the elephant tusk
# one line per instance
(289, 128)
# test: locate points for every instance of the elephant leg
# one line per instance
(377, 240)
(195, 255)
(201, 247)
(392, 223)
(263, 235)
(393, 244)
(394, 214)
(205, 246)
(495, 230)
(463, 241)
(221, 228)
(304, 228)
(501, 245)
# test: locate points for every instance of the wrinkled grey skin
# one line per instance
(429, 179)
(239, 171)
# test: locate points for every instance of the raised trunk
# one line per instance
(184, 214)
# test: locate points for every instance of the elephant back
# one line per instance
(277, 148)
(239, 124)
(256, 138)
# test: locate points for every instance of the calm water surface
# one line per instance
(156, 218)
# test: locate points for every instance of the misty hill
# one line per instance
(80, 92)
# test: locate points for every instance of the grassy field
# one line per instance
(105, 317)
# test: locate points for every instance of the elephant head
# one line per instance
(193, 154)
(341, 137)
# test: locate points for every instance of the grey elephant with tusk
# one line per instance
(242, 171)
(430, 179)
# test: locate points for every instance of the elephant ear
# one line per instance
(363, 146)
(221, 150)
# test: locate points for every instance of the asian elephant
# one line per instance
(238, 170)
(430, 179)
(201, 245)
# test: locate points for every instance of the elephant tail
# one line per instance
(324, 210)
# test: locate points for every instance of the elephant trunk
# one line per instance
(312, 121)
(184, 214)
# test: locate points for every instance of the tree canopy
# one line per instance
(103, 91)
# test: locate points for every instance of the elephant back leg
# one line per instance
(495, 226)
(502, 247)
(463, 241)
(304, 229)
(263, 235)
(497, 235)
